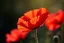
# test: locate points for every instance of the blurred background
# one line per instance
(11, 10)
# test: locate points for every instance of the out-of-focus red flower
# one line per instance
(54, 20)
(16, 34)
(10, 38)
(13, 36)
(31, 20)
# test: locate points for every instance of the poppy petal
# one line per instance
(23, 31)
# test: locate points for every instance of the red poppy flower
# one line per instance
(32, 20)
(54, 20)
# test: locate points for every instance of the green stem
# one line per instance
(62, 35)
(21, 41)
(48, 37)
(47, 40)
(36, 37)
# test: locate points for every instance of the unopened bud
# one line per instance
(56, 39)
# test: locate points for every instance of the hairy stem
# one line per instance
(36, 37)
